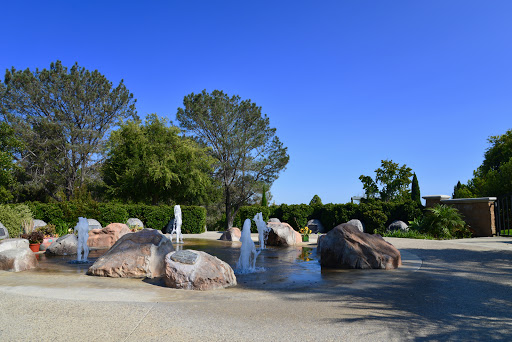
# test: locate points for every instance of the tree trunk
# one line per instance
(229, 217)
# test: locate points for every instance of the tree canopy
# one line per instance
(153, 163)
(9, 146)
(245, 147)
(415, 190)
(494, 176)
(315, 200)
(63, 117)
(394, 181)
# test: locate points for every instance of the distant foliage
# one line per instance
(264, 202)
(415, 190)
(12, 216)
(315, 200)
(393, 180)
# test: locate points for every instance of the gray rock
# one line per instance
(168, 228)
(398, 225)
(274, 220)
(316, 226)
(357, 223)
(346, 247)
(39, 223)
(135, 255)
(65, 245)
(93, 224)
(4, 233)
(282, 234)
(13, 244)
(185, 257)
(134, 222)
(16, 256)
(232, 234)
(207, 273)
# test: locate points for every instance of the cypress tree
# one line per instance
(264, 198)
(415, 190)
(315, 200)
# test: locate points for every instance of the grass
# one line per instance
(411, 234)
(506, 232)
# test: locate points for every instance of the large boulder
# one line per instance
(134, 222)
(106, 237)
(65, 245)
(357, 223)
(274, 220)
(232, 234)
(93, 224)
(195, 270)
(4, 233)
(16, 256)
(398, 225)
(282, 234)
(135, 255)
(316, 226)
(346, 247)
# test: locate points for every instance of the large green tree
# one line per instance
(153, 163)
(494, 176)
(415, 190)
(63, 117)
(9, 146)
(247, 151)
(393, 179)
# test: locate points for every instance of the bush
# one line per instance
(12, 216)
(48, 230)
(444, 222)
(157, 217)
(112, 212)
(248, 212)
(194, 219)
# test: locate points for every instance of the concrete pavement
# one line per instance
(448, 290)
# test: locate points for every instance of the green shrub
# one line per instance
(12, 217)
(411, 234)
(444, 222)
(110, 213)
(48, 230)
(373, 216)
(194, 219)
(315, 200)
(296, 215)
(248, 212)
(157, 217)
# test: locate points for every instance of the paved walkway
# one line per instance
(459, 290)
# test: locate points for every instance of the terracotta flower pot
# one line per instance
(34, 247)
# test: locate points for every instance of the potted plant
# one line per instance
(305, 234)
(34, 239)
(50, 235)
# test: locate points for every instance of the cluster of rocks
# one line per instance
(149, 253)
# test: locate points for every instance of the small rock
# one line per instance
(316, 226)
(232, 234)
(93, 224)
(39, 223)
(398, 225)
(207, 272)
(4, 233)
(185, 257)
(134, 222)
(65, 245)
(357, 223)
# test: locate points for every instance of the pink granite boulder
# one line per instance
(16, 256)
(347, 247)
(282, 234)
(135, 255)
(106, 237)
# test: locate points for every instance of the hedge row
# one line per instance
(65, 215)
(375, 215)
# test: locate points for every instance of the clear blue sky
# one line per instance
(346, 83)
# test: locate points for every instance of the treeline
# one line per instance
(69, 134)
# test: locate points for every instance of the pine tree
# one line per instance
(315, 200)
(415, 190)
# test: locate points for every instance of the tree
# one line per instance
(494, 176)
(264, 202)
(153, 163)
(247, 151)
(63, 117)
(415, 190)
(315, 200)
(9, 146)
(394, 181)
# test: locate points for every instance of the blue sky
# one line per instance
(346, 83)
